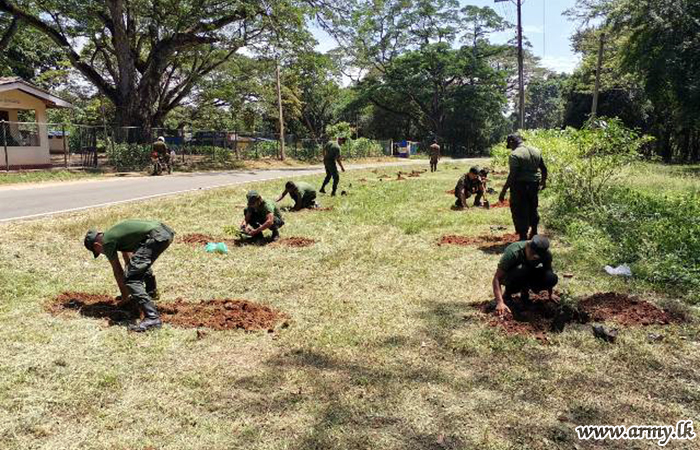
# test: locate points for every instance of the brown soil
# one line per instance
(504, 204)
(198, 239)
(294, 242)
(416, 173)
(451, 192)
(215, 314)
(363, 180)
(542, 316)
(384, 176)
(485, 240)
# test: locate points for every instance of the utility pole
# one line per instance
(596, 92)
(521, 70)
(279, 105)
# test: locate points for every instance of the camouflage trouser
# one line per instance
(331, 172)
(477, 200)
(524, 201)
(433, 163)
(139, 276)
(257, 220)
(525, 277)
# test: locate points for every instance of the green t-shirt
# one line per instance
(126, 236)
(514, 256)
(265, 208)
(160, 148)
(332, 153)
(304, 190)
(524, 163)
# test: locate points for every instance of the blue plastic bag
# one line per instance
(216, 247)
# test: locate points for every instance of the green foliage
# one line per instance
(125, 157)
(340, 130)
(362, 148)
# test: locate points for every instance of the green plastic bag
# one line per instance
(216, 247)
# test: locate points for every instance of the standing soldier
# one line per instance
(468, 184)
(331, 155)
(524, 182)
(261, 215)
(303, 194)
(434, 156)
(141, 243)
(161, 149)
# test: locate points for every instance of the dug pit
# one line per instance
(294, 242)
(218, 314)
(541, 317)
(487, 243)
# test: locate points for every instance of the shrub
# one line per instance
(129, 156)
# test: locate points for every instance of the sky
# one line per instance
(543, 24)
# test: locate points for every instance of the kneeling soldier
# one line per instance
(468, 184)
(303, 194)
(261, 215)
(525, 266)
(141, 243)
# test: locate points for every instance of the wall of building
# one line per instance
(31, 156)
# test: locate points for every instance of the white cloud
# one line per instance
(532, 29)
(561, 63)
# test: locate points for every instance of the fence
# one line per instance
(129, 148)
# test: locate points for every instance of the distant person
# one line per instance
(469, 184)
(525, 266)
(331, 156)
(161, 149)
(261, 215)
(434, 156)
(141, 242)
(303, 194)
(524, 182)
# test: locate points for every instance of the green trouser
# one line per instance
(524, 201)
(257, 219)
(307, 201)
(331, 172)
(139, 276)
(477, 200)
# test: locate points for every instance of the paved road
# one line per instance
(29, 201)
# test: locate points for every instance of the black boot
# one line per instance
(275, 235)
(525, 298)
(151, 319)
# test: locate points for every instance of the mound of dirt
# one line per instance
(415, 173)
(382, 176)
(215, 314)
(451, 192)
(198, 239)
(541, 316)
(294, 242)
(504, 204)
(487, 240)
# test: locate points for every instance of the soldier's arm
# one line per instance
(284, 194)
(498, 278)
(340, 163)
(119, 277)
(545, 173)
(506, 186)
(268, 223)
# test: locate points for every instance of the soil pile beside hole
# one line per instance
(623, 309)
(486, 241)
(451, 192)
(384, 176)
(363, 180)
(294, 242)
(328, 208)
(541, 316)
(504, 204)
(415, 173)
(198, 239)
(215, 314)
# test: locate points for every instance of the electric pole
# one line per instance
(279, 105)
(521, 70)
(596, 92)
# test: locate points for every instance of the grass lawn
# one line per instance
(45, 176)
(385, 349)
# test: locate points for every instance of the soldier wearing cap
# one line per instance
(524, 182)
(303, 194)
(161, 149)
(469, 184)
(525, 266)
(141, 242)
(434, 156)
(331, 156)
(261, 215)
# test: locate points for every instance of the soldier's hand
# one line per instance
(554, 297)
(501, 198)
(502, 310)
(543, 186)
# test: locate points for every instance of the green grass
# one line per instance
(384, 350)
(44, 176)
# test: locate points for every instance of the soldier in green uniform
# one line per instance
(141, 242)
(261, 215)
(303, 194)
(524, 182)
(331, 155)
(161, 149)
(469, 184)
(525, 266)
(434, 156)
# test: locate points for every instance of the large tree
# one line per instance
(146, 56)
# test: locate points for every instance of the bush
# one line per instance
(362, 148)
(129, 156)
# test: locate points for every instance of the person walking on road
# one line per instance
(331, 156)
(140, 242)
(525, 182)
